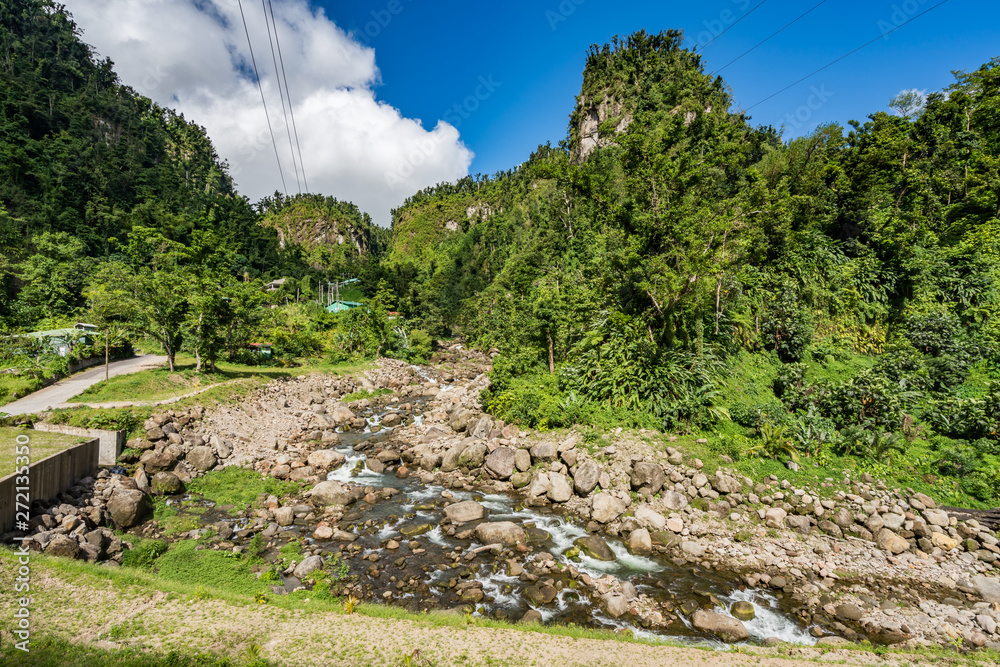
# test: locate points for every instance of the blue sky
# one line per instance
(434, 55)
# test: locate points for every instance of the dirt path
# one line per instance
(58, 395)
(103, 614)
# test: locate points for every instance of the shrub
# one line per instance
(143, 553)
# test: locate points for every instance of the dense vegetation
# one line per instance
(831, 296)
(669, 265)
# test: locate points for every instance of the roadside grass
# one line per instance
(40, 444)
(240, 487)
(13, 387)
(48, 651)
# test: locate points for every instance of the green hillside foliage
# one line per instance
(832, 295)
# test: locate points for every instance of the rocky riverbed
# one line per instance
(417, 498)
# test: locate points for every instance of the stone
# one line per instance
(891, 542)
(531, 616)
(892, 521)
(450, 460)
(326, 459)
(460, 420)
(128, 507)
(639, 542)
(987, 623)
(465, 511)
(726, 628)
(693, 549)
(799, 524)
(936, 517)
(331, 493)
(520, 480)
(987, 588)
(392, 419)
(507, 533)
(284, 516)
(726, 484)
(606, 508)
(842, 518)
(167, 484)
(944, 542)
(63, 547)
(849, 612)
(595, 547)
(302, 473)
(650, 518)
(201, 458)
(674, 500)
(154, 462)
(308, 565)
(222, 447)
(141, 480)
(539, 485)
(522, 460)
(473, 456)
(775, 517)
(323, 533)
(743, 611)
(832, 642)
(647, 475)
(544, 451)
(559, 488)
(616, 604)
(341, 414)
(675, 525)
(500, 462)
(586, 477)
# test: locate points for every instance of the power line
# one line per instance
(732, 25)
(261, 88)
(831, 64)
(284, 112)
(288, 94)
(774, 34)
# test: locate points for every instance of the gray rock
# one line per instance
(507, 533)
(545, 451)
(595, 547)
(326, 459)
(167, 484)
(849, 612)
(63, 547)
(647, 475)
(987, 588)
(674, 501)
(639, 541)
(154, 462)
(201, 458)
(693, 549)
(616, 604)
(473, 456)
(331, 493)
(540, 485)
(799, 524)
(341, 414)
(392, 419)
(586, 477)
(522, 459)
(501, 462)
(726, 484)
(726, 628)
(650, 518)
(460, 420)
(936, 517)
(450, 460)
(308, 565)
(284, 516)
(559, 488)
(892, 521)
(891, 542)
(128, 507)
(465, 511)
(606, 508)
(775, 517)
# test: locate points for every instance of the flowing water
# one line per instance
(435, 577)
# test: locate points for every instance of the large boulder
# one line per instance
(284, 516)
(799, 524)
(639, 541)
(891, 542)
(775, 517)
(460, 420)
(326, 459)
(595, 547)
(540, 485)
(559, 488)
(606, 508)
(522, 459)
(167, 484)
(616, 604)
(586, 477)
(128, 507)
(648, 475)
(450, 460)
(465, 511)
(507, 533)
(936, 517)
(500, 462)
(201, 458)
(650, 518)
(331, 493)
(63, 546)
(987, 588)
(473, 456)
(545, 451)
(308, 565)
(725, 484)
(341, 414)
(153, 462)
(674, 501)
(724, 627)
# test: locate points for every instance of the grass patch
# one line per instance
(13, 387)
(40, 443)
(57, 652)
(364, 393)
(240, 487)
(221, 570)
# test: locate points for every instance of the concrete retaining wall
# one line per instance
(48, 478)
(112, 442)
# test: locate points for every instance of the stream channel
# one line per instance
(444, 565)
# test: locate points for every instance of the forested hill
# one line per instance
(84, 160)
(671, 264)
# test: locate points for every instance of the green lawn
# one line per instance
(160, 384)
(41, 444)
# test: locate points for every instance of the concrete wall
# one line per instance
(48, 478)
(112, 442)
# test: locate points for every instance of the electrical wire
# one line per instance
(773, 34)
(281, 96)
(291, 107)
(831, 64)
(261, 88)
(732, 25)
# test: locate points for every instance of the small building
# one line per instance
(342, 306)
(261, 349)
(62, 341)
(275, 285)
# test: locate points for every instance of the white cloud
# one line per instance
(192, 56)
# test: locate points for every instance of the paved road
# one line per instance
(61, 392)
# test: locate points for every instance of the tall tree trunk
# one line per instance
(552, 361)
(107, 349)
(718, 295)
(197, 346)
